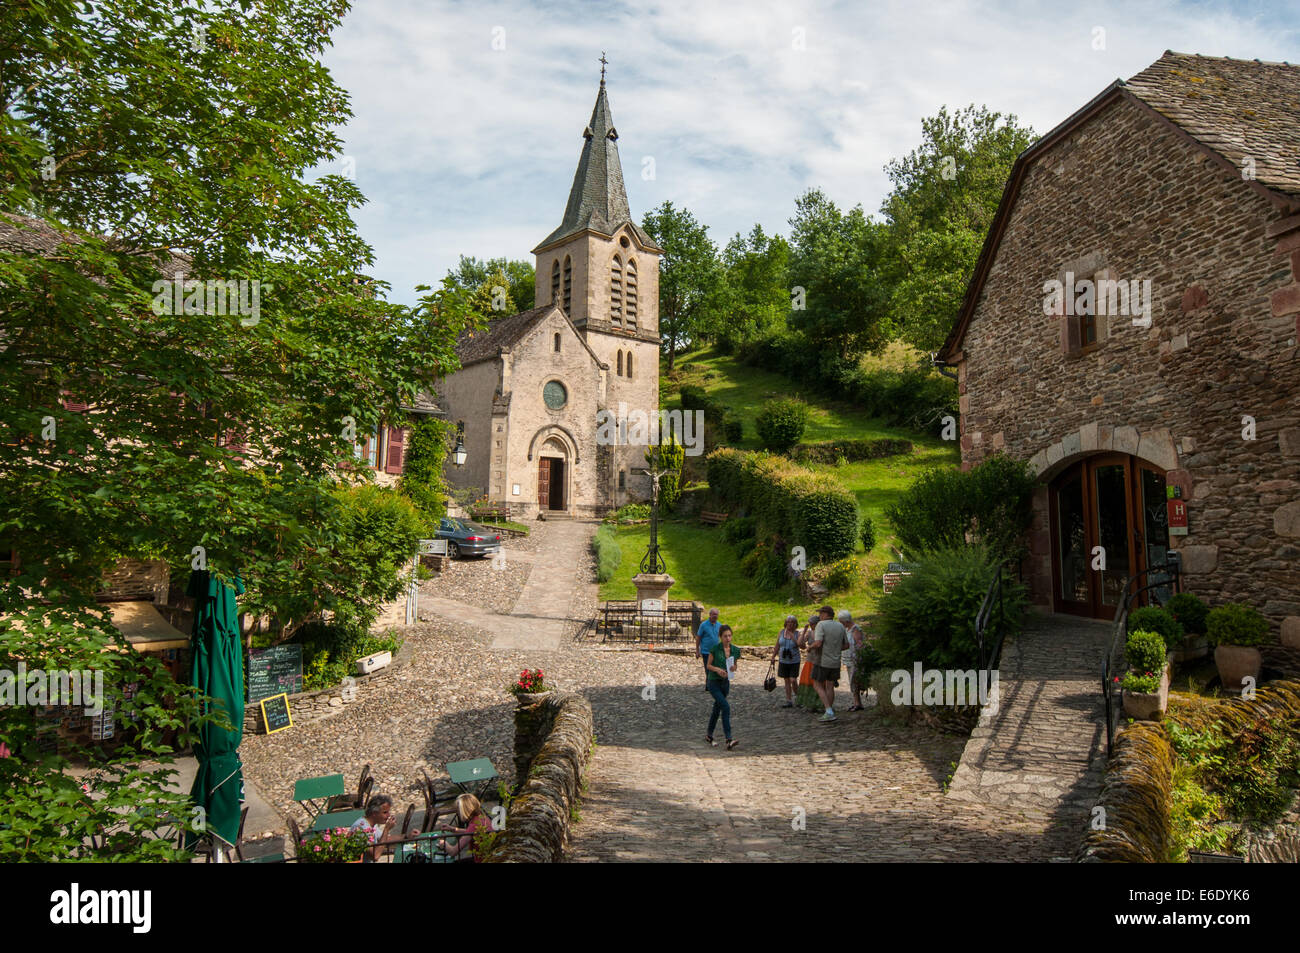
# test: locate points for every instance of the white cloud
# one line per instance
(465, 149)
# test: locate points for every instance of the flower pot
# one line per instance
(1192, 647)
(1236, 663)
(524, 699)
(1144, 706)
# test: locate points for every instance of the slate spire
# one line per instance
(597, 199)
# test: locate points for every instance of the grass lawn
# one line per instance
(707, 568)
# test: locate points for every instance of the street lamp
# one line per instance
(458, 455)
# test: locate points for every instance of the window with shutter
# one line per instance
(73, 406)
(396, 450)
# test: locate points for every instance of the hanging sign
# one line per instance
(1177, 517)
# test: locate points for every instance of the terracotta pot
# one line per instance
(1235, 663)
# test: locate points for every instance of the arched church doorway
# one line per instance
(552, 476)
(1109, 521)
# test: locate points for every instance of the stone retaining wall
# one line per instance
(305, 707)
(552, 745)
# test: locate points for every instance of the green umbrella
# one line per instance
(218, 673)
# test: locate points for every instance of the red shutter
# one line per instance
(73, 406)
(396, 450)
(235, 441)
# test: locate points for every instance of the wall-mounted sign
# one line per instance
(652, 605)
(1177, 517)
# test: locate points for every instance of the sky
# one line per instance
(468, 117)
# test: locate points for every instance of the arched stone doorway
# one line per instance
(1108, 522)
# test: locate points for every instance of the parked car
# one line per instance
(468, 539)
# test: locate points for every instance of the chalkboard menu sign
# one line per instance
(275, 713)
(274, 670)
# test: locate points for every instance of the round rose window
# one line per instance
(555, 395)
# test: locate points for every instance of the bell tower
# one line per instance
(602, 269)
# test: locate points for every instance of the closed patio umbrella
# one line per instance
(218, 672)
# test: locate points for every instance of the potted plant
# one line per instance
(530, 687)
(1145, 687)
(1236, 631)
(1190, 612)
(336, 845)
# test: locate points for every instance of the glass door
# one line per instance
(1110, 482)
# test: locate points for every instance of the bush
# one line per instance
(1145, 652)
(694, 397)
(1159, 621)
(841, 575)
(929, 616)
(781, 422)
(1252, 767)
(851, 451)
(867, 534)
(608, 554)
(1189, 611)
(670, 456)
(991, 502)
(1236, 624)
(738, 528)
(329, 651)
(808, 509)
(733, 429)
(423, 456)
(632, 511)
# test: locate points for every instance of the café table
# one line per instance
(473, 777)
(325, 822)
(310, 790)
(429, 844)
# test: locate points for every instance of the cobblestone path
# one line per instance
(543, 616)
(1044, 750)
(862, 788)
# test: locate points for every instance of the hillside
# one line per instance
(704, 565)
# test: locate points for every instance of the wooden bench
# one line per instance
(713, 519)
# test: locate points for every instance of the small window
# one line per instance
(622, 479)
(568, 285)
(557, 342)
(620, 363)
(629, 365)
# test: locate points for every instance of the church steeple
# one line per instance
(597, 199)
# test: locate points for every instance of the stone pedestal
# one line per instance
(652, 585)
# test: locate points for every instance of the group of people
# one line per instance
(380, 820)
(830, 642)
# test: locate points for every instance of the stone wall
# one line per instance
(1126, 197)
(133, 579)
(552, 745)
(306, 707)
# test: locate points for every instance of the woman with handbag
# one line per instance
(787, 651)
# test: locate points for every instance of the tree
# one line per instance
(946, 194)
(691, 289)
(142, 139)
(837, 299)
(422, 482)
(516, 278)
(757, 288)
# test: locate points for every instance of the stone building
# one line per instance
(1131, 330)
(531, 385)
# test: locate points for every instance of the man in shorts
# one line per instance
(830, 637)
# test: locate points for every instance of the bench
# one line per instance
(713, 519)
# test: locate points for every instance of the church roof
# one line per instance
(499, 335)
(598, 200)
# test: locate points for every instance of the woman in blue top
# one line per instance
(787, 650)
(722, 666)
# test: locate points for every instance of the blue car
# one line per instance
(468, 539)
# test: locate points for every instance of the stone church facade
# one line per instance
(1186, 177)
(531, 386)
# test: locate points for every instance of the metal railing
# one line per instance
(1113, 662)
(626, 622)
(989, 653)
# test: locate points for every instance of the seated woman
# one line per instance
(469, 812)
(378, 824)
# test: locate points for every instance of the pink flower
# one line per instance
(327, 838)
(4, 750)
(317, 848)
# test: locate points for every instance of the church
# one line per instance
(531, 386)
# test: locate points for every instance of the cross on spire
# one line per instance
(603, 61)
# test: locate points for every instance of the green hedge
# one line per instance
(832, 451)
(609, 556)
(795, 505)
